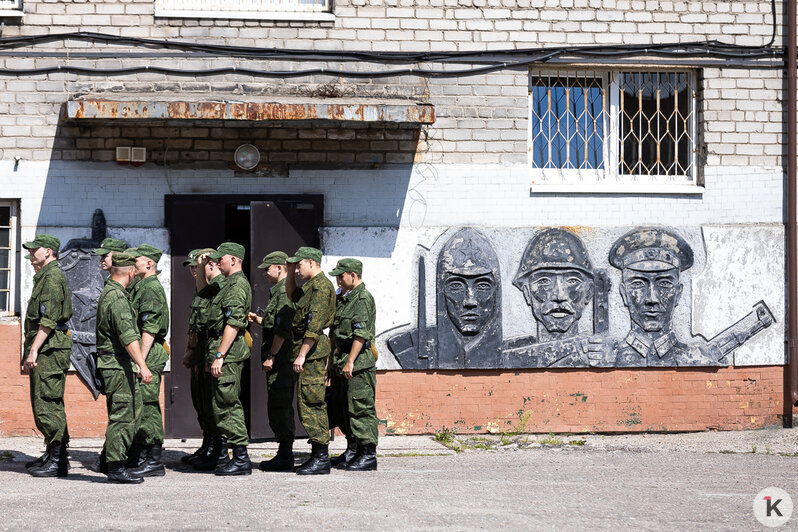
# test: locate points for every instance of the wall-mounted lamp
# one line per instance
(247, 157)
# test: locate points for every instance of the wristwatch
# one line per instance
(271, 355)
(219, 355)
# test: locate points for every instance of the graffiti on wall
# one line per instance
(560, 283)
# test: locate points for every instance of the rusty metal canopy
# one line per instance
(118, 107)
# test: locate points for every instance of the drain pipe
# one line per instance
(791, 375)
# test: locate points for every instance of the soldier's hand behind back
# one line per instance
(146, 376)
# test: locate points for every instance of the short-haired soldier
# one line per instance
(353, 367)
(120, 362)
(47, 349)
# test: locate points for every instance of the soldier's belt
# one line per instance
(63, 327)
(217, 333)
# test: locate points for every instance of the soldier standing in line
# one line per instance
(226, 352)
(107, 250)
(47, 348)
(193, 358)
(315, 307)
(210, 286)
(276, 361)
(119, 360)
(353, 368)
(148, 300)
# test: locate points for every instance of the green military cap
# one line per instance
(204, 251)
(305, 253)
(191, 258)
(121, 258)
(275, 257)
(228, 248)
(151, 252)
(43, 240)
(347, 265)
(109, 245)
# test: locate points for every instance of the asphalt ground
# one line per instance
(519, 482)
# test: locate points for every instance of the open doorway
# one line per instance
(262, 224)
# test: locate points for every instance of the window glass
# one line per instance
(567, 122)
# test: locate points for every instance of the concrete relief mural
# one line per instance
(561, 284)
(86, 280)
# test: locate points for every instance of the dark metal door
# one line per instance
(197, 221)
(274, 227)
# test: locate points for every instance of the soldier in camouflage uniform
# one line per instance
(353, 367)
(193, 358)
(119, 360)
(107, 249)
(315, 306)
(209, 287)
(148, 300)
(226, 352)
(47, 349)
(276, 361)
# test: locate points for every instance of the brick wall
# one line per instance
(481, 118)
(619, 400)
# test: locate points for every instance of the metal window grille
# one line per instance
(8, 216)
(11, 5)
(242, 6)
(611, 129)
(567, 119)
(656, 124)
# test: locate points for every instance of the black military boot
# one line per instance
(152, 466)
(189, 458)
(283, 460)
(210, 461)
(136, 456)
(366, 460)
(100, 465)
(39, 461)
(340, 461)
(117, 473)
(56, 465)
(319, 463)
(239, 465)
(224, 456)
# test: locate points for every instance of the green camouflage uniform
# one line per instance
(315, 307)
(229, 307)
(354, 318)
(201, 380)
(281, 379)
(116, 328)
(50, 305)
(152, 316)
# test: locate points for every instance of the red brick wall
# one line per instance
(568, 400)
(581, 400)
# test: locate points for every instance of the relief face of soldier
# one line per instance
(651, 297)
(470, 301)
(558, 297)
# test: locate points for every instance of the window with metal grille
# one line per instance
(8, 229)
(246, 9)
(623, 130)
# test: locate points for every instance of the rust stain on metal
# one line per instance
(101, 109)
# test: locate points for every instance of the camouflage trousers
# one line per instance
(150, 425)
(228, 412)
(202, 398)
(311, 402)
(123, 400)
(47, 382)
(280, 383)
(354, 405)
